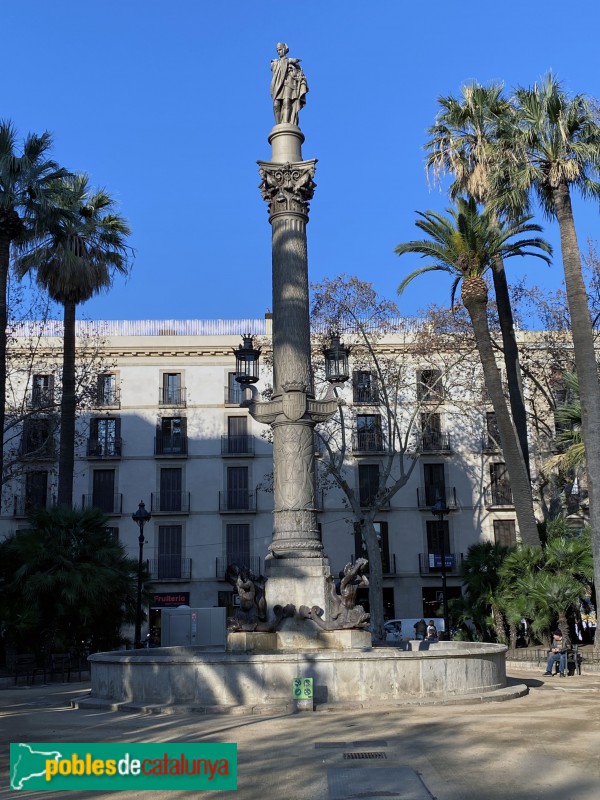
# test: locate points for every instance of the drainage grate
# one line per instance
(372, 755)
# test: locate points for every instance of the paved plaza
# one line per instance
(544, 744)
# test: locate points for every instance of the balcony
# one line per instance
(108, 398)
(169, 396)
(490, 445)
(368, 442)
(237, 445)
(109, 503)
(431, 563)
(237, 501)
(253, 563)
(428, 496)
(365, 396)
(434, 442)
(367, 500)
(170, 502)
(24, 504)
(170, 568)
(236, 395)
(498, 496)
(388, 565)
(170, 445)
(106, 449)
(42, 451)
(41, 399)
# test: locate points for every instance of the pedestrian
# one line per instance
(420, 629)
(432, 633)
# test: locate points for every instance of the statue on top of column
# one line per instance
(288, 87)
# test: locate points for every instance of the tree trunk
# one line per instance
(375, 578)
(511, 357)
(66, 459)
(4, 267)
(585, 362)
(513, 457)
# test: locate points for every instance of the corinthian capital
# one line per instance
(287, 187)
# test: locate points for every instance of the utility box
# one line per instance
(184, 626)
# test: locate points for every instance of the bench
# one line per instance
(574, 659)
(25, 664)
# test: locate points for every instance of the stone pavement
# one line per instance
(544, 744)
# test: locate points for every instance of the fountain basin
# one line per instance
(235, 682)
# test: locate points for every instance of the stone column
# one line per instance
(297, 570)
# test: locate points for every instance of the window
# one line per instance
(38, 439)
(105, 437)
(369, 435)
(36, 490)
(171, 438)
(107, 394)
(103, 490)
(169, 551)
(429, 385)
(493, 434)
(368, 483)
(504, 532)
(438, 535)
(435, 483)
(500, 490)
(113, 534)
(364, 387)
(235, 392)
(431, 428)
(237, 545)
(172, 392)
(42, 391)
(360, 548)
(170, 489)
(238, 496)
(237, 435)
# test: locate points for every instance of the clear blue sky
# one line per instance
(167, 106)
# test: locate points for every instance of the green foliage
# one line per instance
(65, 581)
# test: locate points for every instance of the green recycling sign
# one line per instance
(302, 688)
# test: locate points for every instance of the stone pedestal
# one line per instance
(251, 642)
(301, 581)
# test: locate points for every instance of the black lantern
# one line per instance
(141, 517)
(336, 361)
(246, 361)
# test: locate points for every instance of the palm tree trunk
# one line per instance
(4, 267)
(585, 362)
(66, 459)
(511, 357)
(519, 479)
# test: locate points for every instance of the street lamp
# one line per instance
(439, 509)
(336, 361)
(246, 361)
(141, 517)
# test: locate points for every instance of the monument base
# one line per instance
(300, 581)
(295, 641)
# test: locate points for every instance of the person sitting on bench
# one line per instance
(558, 652)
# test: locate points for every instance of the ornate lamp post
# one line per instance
(439, 509)
(247, 361)
(141, 517)
(336, 361)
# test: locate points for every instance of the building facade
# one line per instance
(166, 424)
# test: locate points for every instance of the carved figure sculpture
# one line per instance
(251, 615)
(288, 86)
(344, 611)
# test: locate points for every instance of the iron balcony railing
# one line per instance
(237, 500)
(170, 502)
(490, 445)
(235, 395)
(23, 504)
(41, 398)
(498, 496)
(368, 442)
(109, 503)
(169, 396)
(434, 442)
(428, 496)
(40, 451)
(432, 563)
(108, 398)
(170, 568)
(365, 396)
(253, 563)
(237, 445)
(106, 449)
(170, 445)
(388, 562)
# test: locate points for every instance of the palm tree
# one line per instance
(465, 245)
(76, 260)
(479, 571)
(465, 143)
(568, 420)
(27, 207)
(555, 146)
